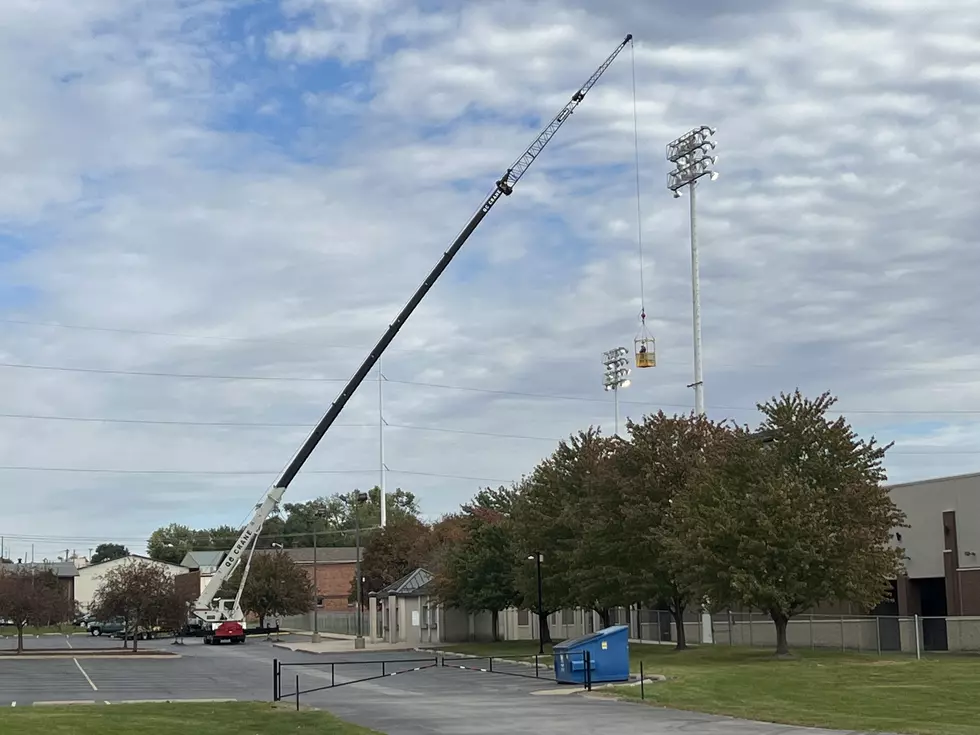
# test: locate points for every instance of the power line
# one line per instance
(120, 471)
(259, 425)
(411, 427)
(487, 391)
(428, 349)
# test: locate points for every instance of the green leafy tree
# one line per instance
(478, 573)
(276, 586)
(544, 522)
(32, 595)
(599, 562)
(666, 457)
(787, 525)
(171, 543)
(108, 552)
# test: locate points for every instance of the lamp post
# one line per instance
(537, 557)
(316, 581)
(617, 368)
(690, 155)
(357, 500)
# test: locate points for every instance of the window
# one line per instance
(567, 617)
(523, 617)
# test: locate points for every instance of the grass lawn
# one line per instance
(934, 696)
(231, 718)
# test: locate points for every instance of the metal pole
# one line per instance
(918, 642)
(696, 297)
(316, 617)
(616, 402)
(359, 640)
(381, 445)
(537, 558)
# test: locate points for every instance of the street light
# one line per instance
(693, 158)
(537, 558)
(358, 499)
(614, 378)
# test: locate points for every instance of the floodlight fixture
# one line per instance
(616, 374)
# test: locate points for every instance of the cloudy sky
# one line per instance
(210, 210)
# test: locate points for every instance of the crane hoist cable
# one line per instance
(645, 346)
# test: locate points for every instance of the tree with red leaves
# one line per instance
(31, 595)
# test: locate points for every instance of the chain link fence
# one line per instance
(859, 633)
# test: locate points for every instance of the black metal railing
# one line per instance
(382, 668)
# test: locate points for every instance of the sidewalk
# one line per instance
(337, 643)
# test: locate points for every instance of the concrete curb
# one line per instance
(105, 702)
(60, 655)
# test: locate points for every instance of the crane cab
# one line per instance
(646, 352)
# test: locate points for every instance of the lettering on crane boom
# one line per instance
(242, 542)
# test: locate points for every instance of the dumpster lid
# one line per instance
(586, 639)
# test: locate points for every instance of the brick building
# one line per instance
(334, 569)
(334, 573)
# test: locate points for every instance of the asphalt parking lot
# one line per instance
(434, 700)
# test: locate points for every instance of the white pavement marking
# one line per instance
(87, 678)
(68, 641)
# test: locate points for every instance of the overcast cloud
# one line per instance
(218, 188)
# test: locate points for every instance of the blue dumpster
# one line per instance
(609, 657)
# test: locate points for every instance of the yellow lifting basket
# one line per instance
(646, 352)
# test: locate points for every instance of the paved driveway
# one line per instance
(437, 700)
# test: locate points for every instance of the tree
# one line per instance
(171, 543)
(478, 572)
(787, 525)
(276, 586)
(142, 593)
(108, 552)
(599, 562)
(32, 595)
(655, 470)
(402, 546)
(542, 524)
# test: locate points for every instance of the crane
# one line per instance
(223, 619)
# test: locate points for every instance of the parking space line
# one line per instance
(87, 678)
(68, 641)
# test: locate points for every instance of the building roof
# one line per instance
(131, 556)
(324, 555)
(930, 480)
(60, 568)
(413, 584)
(201, 559)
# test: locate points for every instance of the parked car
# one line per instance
(106, 627)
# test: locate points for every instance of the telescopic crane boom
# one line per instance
(504, 186)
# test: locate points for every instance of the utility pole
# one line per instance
(383, 496)
(689, 154)
(316, 590)
(359, 499)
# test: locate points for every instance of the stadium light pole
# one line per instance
(692, 157)
(617, 368)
